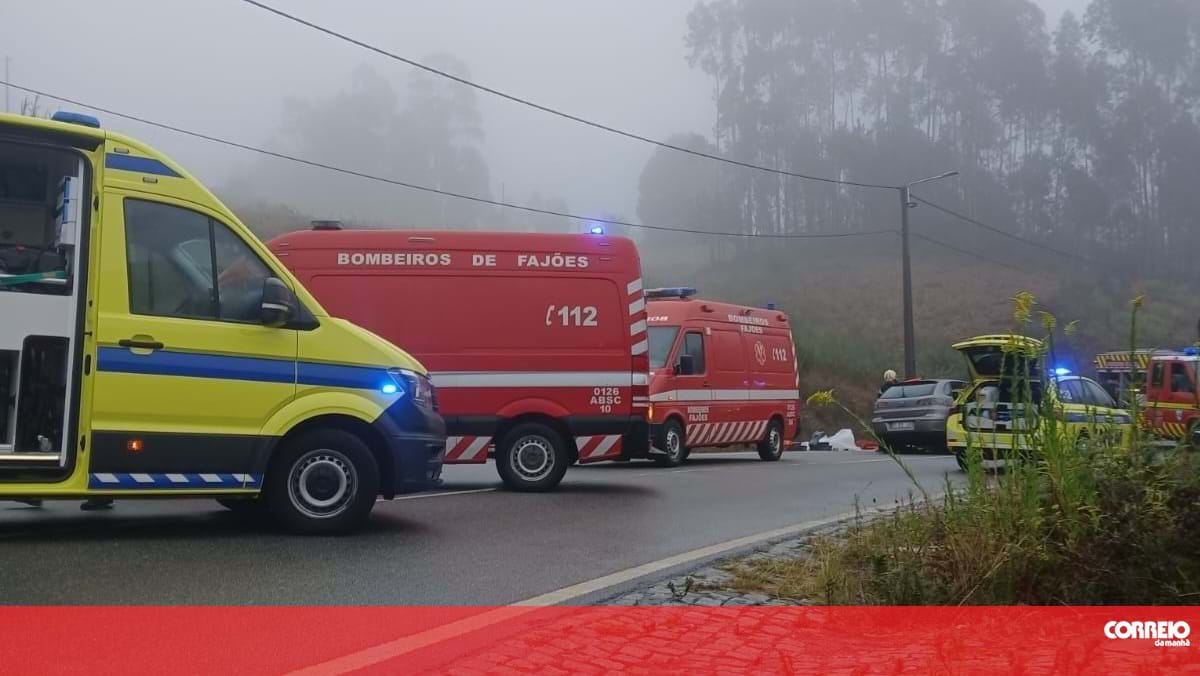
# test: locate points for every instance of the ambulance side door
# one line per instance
(186, 369)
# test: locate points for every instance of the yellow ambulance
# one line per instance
(151, 346)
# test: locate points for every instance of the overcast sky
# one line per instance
(225, 68)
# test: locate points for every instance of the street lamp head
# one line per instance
(939, 177)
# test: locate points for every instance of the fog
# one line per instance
(1077, 149)
(229, 69)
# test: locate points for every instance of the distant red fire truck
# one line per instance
(721, 375)
(537, 343)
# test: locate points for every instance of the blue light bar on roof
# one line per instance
(671, 292)
(76, 118)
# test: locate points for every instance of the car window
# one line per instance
(662, 339)
(693, 344)
(906, 391)
(183, 264)
(240, 276)
(1069, 392)
(1180, 382)
(1097, 396)
(1156, 375)
(164, 280)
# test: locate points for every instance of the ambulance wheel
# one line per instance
(323, 482)
(771, 446)
(672, 441)
(532, 458)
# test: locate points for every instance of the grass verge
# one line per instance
(1067, 523)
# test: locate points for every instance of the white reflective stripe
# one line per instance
(476, 446)
(739, 431)
(637, 327)
(177, 478)
(641, 379)
(725, 395)
(533, 379)
(760, 430)
(634, 286)
(142, 478)
(640, 348)
(637, 306)
(241, 477)
(695, 434)
(107, 478)
(640, 404)
(452, 442)
(581, 443)
(731, 434)
(604, 447)
(211, 478)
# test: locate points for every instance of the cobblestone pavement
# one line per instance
(708, 586)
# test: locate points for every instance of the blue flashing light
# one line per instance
(770, 306)
(76, 118)
(1060, 371)
(597, 230)
(389, 388)
(1191, 351)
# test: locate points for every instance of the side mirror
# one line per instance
(686, 366)
(278, 303)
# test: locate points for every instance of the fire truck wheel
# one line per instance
(532, 458)
(325, 481)
(671, 441)
(771, 446)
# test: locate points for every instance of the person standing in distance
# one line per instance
(889, 379)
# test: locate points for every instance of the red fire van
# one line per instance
(720, 375)
(536, 342)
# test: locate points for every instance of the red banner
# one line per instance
(605, 639)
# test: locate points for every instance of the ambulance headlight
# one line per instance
(411, 384)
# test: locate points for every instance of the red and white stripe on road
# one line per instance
(465, 449)
(599, 446)
(704, 434)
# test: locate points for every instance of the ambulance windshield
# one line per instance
(661, 340)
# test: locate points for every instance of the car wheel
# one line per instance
(325, 481)
(532, 458)
(674, 443)
(961, 458)
(770, 448)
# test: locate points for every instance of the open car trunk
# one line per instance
(41, 196)
(1007, 389)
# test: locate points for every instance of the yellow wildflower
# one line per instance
(1023, 304)
(821, 398)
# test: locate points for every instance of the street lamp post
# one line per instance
(910, 340)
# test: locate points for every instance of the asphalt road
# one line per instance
(481, 547)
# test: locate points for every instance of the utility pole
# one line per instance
(7, 59)
(910, 339)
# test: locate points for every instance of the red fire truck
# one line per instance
(536, 342)
(1171, 405)
(721, 375)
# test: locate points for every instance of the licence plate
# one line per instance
(900, 427)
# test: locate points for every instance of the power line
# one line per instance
(965, 252)
(1001, 232)
(554, 111)
(439, 191)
